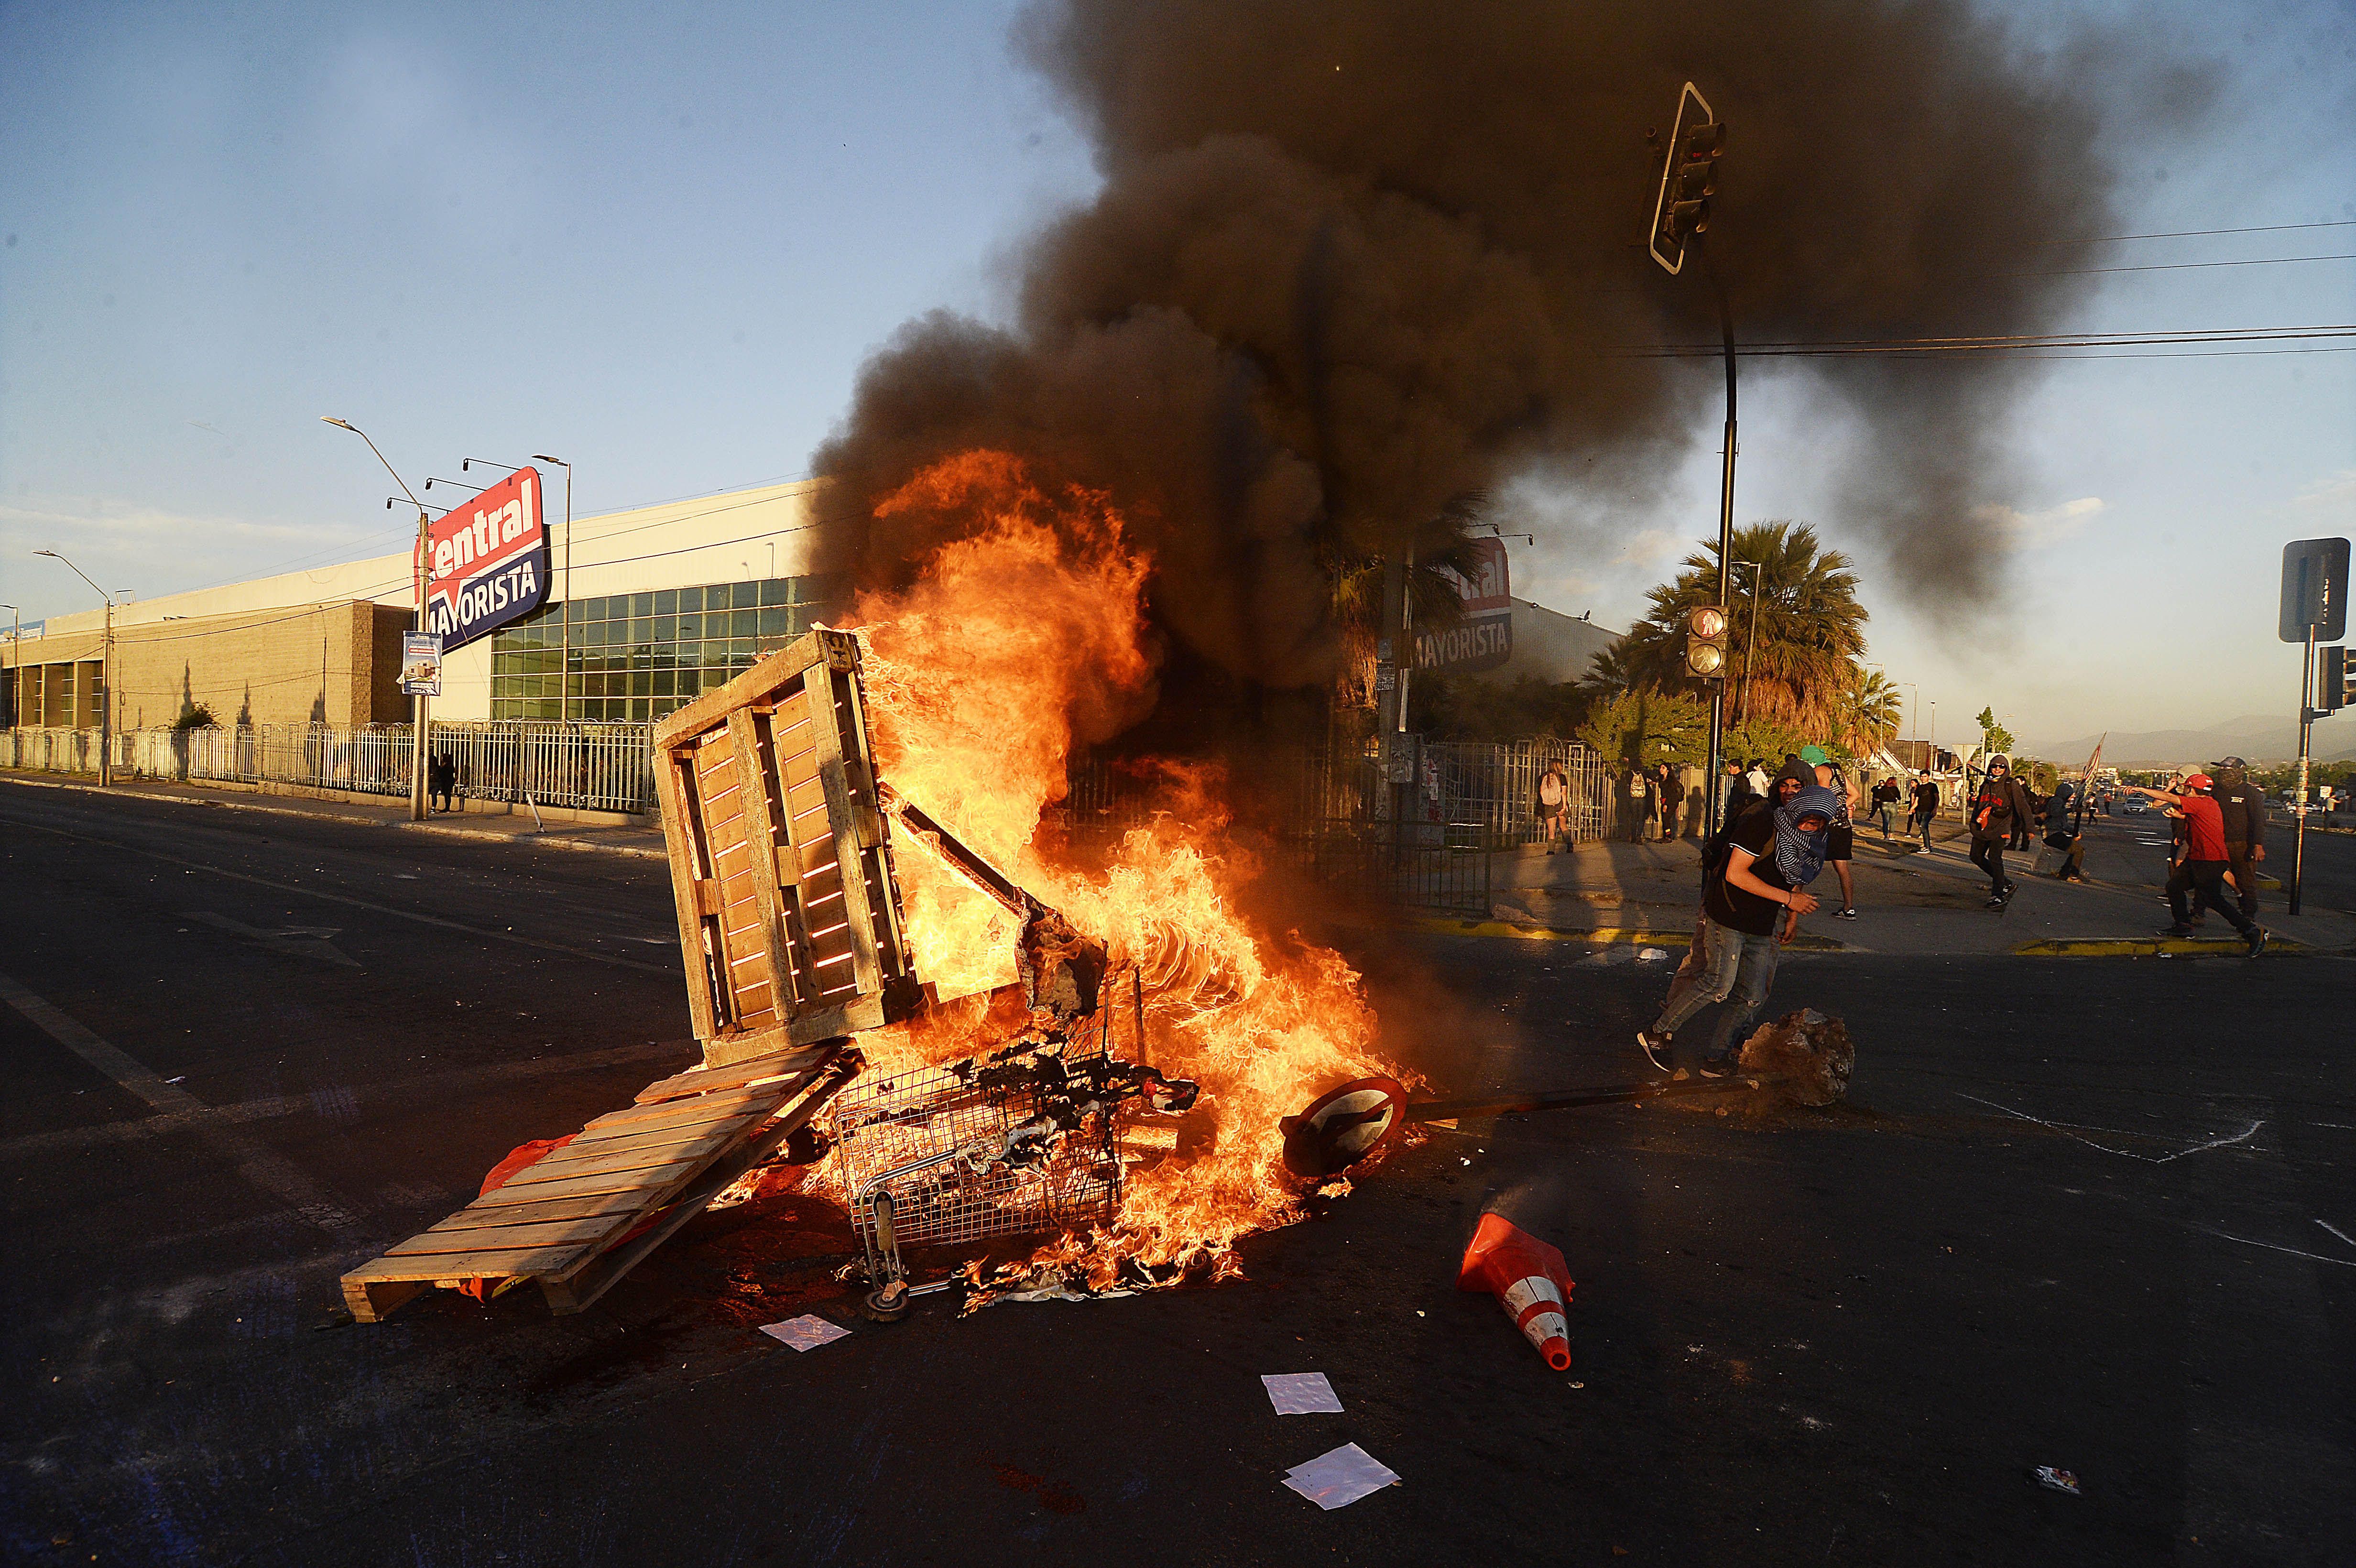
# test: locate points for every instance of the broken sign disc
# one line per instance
(1342, 1127)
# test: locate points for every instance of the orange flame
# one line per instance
(1020, 639)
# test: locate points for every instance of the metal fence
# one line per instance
(1496, 785)
(591, 767)
(1424, 865)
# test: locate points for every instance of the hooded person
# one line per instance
(1752, 904)
(1997, 805)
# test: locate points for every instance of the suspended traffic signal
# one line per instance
(1688, 180)
(1705, 643)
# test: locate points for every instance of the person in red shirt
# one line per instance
(2202, 872)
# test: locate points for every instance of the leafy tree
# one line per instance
(1993, 735)
(1649, 726)
(1809, 627)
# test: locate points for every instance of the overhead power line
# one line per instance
(2201, 233)
(2049, 342)
(2177, 266)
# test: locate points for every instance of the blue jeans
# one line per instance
(1731, 966)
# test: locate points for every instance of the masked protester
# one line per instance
(2202, 873)
(1752, 904)
(2242, 805)
(1999, 803)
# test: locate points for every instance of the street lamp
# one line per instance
(105, 680)
(565, 611)
(15, 659)
(417, 709)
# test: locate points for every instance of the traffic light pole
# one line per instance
(1725, 542)
(2305, 728)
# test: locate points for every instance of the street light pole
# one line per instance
(564, 627)
(105, 674)
(1742, 700)
(418, 711)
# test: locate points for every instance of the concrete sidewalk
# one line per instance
(1913, 903)
(503, 828)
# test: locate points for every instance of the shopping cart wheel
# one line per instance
(888, 1305)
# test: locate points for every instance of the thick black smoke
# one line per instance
(1350, 261)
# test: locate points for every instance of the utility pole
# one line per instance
(419, 712)
(565, 611)
(1680, 215)
(105, 675)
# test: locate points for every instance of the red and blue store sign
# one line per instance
(488, 562)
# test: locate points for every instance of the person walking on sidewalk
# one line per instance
(1554, 797)
(441, 778)
(1886, 794)
(2064, 835)
(1999, 803)
(1636, 791)
(1752, 906)
(2199, 880)
(2242, 804)
(1926, 807)
(1671, 797)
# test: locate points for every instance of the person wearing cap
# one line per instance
(2242, 804)
(1841, 840)
(1999, 803)
(2202, 872)
(1751, 905)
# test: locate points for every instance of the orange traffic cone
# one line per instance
(1529, 1280)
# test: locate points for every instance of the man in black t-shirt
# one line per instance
(1751, 907)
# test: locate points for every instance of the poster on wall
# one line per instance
(486, 562)
(1484, 639)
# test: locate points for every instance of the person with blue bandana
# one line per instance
(1751, 903)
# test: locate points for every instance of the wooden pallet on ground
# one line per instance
(565, 1222)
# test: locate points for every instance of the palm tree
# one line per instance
(1872, 710)
(1809, 627)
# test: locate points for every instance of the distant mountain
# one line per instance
(2259, 737)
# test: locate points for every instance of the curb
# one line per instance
(1600, 936)
(2149, 947)
(589, 845)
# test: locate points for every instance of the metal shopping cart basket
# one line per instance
(1021, 1142)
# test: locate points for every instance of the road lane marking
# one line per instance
(2223, 1141)
(302, 941)
(269, 1172)
(594, 957)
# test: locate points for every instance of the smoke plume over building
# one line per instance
(1349, 262)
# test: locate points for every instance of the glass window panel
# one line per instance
(574, 685)
(633, 605)
(774, 591)
(776, 622)
(642, 628)
(666, 628)
(742, 623)
(690, 599)
(666, 683)
(640, 710)
(643, 656)
(501, 663)
(689, 627)
(666, 602)
(741, 596)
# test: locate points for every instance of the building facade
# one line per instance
(646, 608)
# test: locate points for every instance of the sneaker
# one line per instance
(2257, 940)
(1849, 914)
(1725, 1066)
(1996, 901)
(1656, 1047)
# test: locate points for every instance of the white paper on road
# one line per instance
(807, 1332)
(1340, 1478)
(1300, 1394)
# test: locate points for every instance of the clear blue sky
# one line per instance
(661, 245)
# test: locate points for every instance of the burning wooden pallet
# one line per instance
(579, 1219)
(790, 923)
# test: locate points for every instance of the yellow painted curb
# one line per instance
(2151, 947)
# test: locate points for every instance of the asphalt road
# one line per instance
(2092, 1215)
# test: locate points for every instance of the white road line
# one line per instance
(2063, 1129)
(274, 1175)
